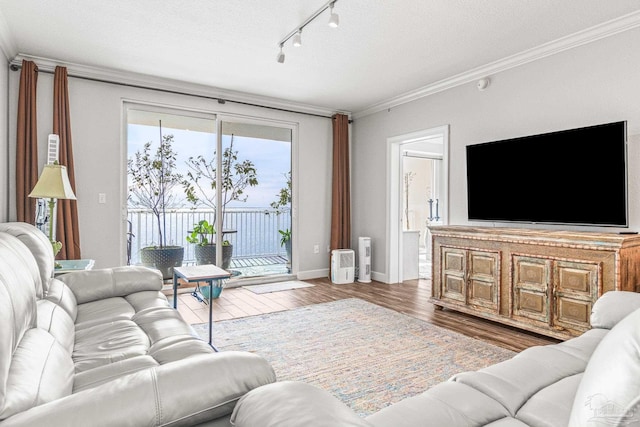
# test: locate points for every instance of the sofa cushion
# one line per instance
(17, 303)
(446, 404)
(513, 382)
(103, 311)
(38, 246)
(610, 388)
(93, 285)
(551, 406)
(612, 307)
(293, 404)
(108, 342)
(41, 371)
(95, 377)
(55, 320)
(60, 294)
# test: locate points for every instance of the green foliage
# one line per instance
(152, 177)
(286, 236)
(203, 234)
(200, 182)
(284, 196)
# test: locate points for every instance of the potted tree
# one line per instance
(200, 185)
(152, 177)
(203, 236)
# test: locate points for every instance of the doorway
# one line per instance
(418, 189)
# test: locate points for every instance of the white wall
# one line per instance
(97, 123)
(4, 139)
(591, 84)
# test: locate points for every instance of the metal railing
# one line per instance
(255, 230)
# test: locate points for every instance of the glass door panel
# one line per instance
(256, 197)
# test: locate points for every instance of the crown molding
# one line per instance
(7, 44)
(589, 35)
(146, 81)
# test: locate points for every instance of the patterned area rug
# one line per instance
(366, 355)
(278, 286)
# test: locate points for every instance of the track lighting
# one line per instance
(297, 39)
(296, 34)
(334, 19)
(280, 57)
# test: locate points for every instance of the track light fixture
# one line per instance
(334, 19)
(297, 39)
(296, 34)
(280, 57)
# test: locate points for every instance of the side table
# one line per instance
(69, 265)
(199, 273)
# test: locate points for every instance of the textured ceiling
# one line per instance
(382, 49)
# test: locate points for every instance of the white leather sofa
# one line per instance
(589, 381)
(104, 348)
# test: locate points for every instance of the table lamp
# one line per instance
(53, 184)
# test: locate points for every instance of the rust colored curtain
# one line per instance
(67, 231)
(341, 193)
(27, 143)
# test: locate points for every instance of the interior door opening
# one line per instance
(418, 190)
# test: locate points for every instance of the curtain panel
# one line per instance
(67, 230)
(27, 143)
(341, 185)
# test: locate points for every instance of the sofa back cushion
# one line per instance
(609, 392)
(17, 302)
(40, 248)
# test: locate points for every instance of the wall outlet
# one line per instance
(316, 249)
(102, 198)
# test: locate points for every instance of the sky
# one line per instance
(272, 159)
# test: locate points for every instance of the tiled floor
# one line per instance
(234, 303)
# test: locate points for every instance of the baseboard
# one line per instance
(313, 274)
(379, 277)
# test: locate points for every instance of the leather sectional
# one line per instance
(104, 348)
(589, 381)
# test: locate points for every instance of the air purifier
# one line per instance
(342, 266)
(364, 259)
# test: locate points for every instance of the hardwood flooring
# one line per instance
(410, 298)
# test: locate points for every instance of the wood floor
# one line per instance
(410, 298)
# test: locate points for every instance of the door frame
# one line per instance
(394, 191)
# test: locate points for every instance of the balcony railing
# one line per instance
(256, 230)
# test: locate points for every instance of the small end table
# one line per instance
(70, 265)
(199, 273)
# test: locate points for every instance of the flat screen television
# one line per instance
(576, 176)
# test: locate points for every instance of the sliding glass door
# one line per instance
(252, 191)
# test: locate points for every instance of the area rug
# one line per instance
(366, 355)
(278, 286)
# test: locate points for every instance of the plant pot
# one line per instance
(204, 290)
(207, 255)
(163, 259)
(287, 246)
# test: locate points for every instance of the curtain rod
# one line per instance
(15, 67)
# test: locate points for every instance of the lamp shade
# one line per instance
(53, 184)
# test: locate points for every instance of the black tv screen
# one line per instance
(576, 176)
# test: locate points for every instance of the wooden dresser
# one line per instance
(543, 281)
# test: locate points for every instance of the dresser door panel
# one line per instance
(531, 279)
(575, 290)
(484, 277)
(454, 274)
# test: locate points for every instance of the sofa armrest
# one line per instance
(612, 307)
(293, 404)
(92, 285)
(186, 392)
